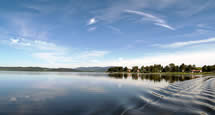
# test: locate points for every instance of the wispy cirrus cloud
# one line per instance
(165, 26)
(33, 44)
(26, 28)
(182, 7)
(116, 9)
(92, 29)
(149, 17)
(115, 29)
(187, 43)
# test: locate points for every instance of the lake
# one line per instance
(53, 93)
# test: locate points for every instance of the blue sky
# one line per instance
(73, 33)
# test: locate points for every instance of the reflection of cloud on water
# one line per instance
(139, 83)
(44, 95)
(43, 92)
(93, 90)
(12, 99)
(51, 87)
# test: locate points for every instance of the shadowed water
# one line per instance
(34, 93)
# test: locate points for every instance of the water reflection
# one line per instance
(53, 93)
(171, 78)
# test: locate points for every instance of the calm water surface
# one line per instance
(34, 93)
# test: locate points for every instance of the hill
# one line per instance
(93, 69)
(41, 69)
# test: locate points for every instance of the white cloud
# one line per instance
(35, 45)
(115, 29)
(53, 57)
(92, 29)
(201, 25)
(90, 58)
(56, 60)
(184, 7)
(43, 45)
(46, 51)
(157, 21)
(204, 26)
(147, 15)
(14, 41)
(164, 25)
(199, 58)
(116, 9)
(60, 58)
(187, 43)
(92, 21)
(94, 53)
(19, 42)
(27, 29)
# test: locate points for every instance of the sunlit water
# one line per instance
(34, 93)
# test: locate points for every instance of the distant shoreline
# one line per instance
(44, 69)
(38, 69)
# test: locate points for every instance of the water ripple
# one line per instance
(195, 96)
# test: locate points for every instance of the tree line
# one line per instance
(208, 68)
(159, 68)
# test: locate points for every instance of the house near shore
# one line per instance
(196, 71)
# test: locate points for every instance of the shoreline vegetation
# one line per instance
(168, 69)
(173, 73)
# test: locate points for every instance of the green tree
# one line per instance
(210, 68)
(125, 69)
(115, 69)
(166, 69)
(159, 68)
(172, 67)
(147, 69)
(120, 69)
(189, 68)
(156, 68)
(142, 69)
(176, 69)
(134, 69)
(182, 67)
